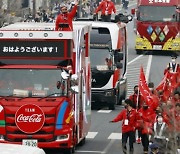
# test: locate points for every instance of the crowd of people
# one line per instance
(154, 113)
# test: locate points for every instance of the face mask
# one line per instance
(136, 91)
(160, 120)
(151, 89)
(125, 106)
(173, 60)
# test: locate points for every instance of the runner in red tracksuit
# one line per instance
(106, 7)
(145, 125)
(66, 18)
(136, 98)
(128, 117)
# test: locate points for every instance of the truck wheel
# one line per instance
(70, 151)
(111, 107)
(83, 141)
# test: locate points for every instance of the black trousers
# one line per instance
(145, 141)
(106, 18)
(131, 136)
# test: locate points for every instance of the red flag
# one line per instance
(162, 84)
(150, 99)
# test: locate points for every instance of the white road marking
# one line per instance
(104, 111)
(91, 135)
(80, 151)
(134, 59)
(115, 136)
(148, 67)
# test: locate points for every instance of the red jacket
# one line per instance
(132, 120)
(66, 19)
(144, 120)
(106, 8)
(133, 98)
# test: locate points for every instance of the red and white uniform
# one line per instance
(106, 7)
(128, 118)
(66, 18)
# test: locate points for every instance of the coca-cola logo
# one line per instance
(29, 118)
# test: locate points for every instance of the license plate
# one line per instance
(157, 47)
(31, 143)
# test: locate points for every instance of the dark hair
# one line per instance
(176, 92)
(151, 85)
(129, 102)
(177, 105)
(135, 86)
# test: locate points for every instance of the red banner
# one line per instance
(150, 99)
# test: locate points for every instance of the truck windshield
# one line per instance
(99, 57)
(31, 83)
(157, 13)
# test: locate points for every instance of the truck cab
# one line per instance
(45, 95)
(108, 56)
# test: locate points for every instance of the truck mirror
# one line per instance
(119, 56)
(119, 65)
(74, 79)
(58, 85)
(64, 75)
(75, 89)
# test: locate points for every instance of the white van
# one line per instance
(19, 149)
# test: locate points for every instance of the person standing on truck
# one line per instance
(65, 18)
(128, 116)
(106, 7)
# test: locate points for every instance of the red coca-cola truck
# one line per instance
(45, 85)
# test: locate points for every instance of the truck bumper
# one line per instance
(103, 96)
(44, 145)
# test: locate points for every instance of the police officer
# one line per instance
(173, 66)
(154, 149)
(128, 116)
(160, 133)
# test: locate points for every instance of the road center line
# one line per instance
(134, 59)
(80, 151)
(148, 67)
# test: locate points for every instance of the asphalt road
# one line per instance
(105, 137)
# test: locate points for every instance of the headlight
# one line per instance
(1, 137)
(176, 44)
(139, 43)
(109, 93)
(62, 137)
